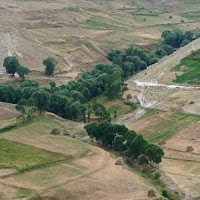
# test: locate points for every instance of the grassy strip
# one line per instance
(25, 157)
(164, 135)
(113, 105)
(105, 25)
(164, 124)
(7, 128)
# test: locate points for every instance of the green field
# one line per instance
(192, 16)
(192, 74)
(112, 105)
(104, 25)
(162, 124)
(36, 133)
(23, 157)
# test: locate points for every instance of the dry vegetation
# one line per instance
(80, 33)
(180, 131)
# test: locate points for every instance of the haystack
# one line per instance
(183, 68)
(55, 131)
(119, 161)
(161, 142)
(128, 96)
(151, 193)
(190, 149)
(66, 134)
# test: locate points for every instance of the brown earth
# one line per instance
(62, 29)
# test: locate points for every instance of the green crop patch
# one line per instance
(25, 157)
(191, 71)
(112, 105)
(163, 125)
(102, 24)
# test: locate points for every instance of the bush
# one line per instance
(128, 161)
(127, 153)
(7, 128)
(132, 105)
(164, 193)
(157, 175)
(125, 88)
(142, 159)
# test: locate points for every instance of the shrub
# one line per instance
(127, 153)
(7, 128)
(131, 104)
(157, 175)
(128, 161)
(164, 193)
(142, 159)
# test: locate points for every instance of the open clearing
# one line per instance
(112, 105)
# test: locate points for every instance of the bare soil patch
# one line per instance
(7, 112)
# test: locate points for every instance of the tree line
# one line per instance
(12, 65)
(68, 100)
(128, 142)
(134, 60)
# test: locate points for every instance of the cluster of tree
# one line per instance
(132, 61)
(50, 64)
(27, 108)
(126, 141)
(164, 50)
(68, 100)
(135, 60)
(178, 39)
(11, 63)
(101, 112)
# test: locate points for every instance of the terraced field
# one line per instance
(80, 33)
(37, 165)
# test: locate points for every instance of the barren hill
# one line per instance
(80, 33)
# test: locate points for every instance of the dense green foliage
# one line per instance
(177, 38)
(11, 64)
(22, 71)
(142, 159)
(50, 64)
(68, 100)
(132, 144)
(27, 108)
(134, 60)
(157, 175)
